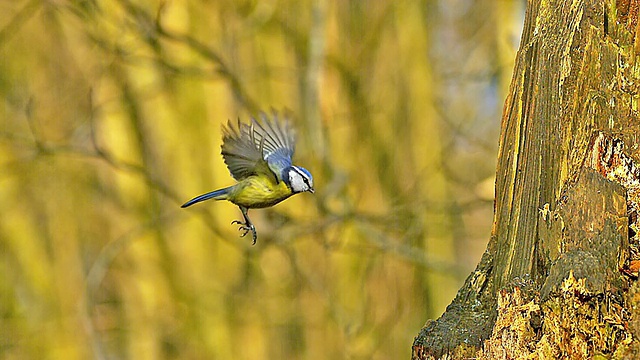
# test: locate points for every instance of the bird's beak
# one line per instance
(311, 190)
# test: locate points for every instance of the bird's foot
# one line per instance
(246, 227)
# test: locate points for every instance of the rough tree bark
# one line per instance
(559, 276)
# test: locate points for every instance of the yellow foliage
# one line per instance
(111, 119)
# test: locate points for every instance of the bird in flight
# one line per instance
(259, 157)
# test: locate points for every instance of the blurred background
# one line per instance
(110, 119)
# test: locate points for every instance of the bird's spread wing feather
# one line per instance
(278, 141)
(264, 146)
(241, 152)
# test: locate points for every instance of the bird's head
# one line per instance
(299, 179)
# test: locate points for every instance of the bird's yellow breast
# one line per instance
(258, 192)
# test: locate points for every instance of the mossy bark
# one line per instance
(558, 276)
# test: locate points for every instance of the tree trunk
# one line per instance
(558, 278)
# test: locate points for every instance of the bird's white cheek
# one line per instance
(296, 183)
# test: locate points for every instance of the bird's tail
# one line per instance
(217, 195)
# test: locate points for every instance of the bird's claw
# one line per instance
(246, 228)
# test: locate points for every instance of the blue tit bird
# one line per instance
(259, 157)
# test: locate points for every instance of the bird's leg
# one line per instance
(246, 226)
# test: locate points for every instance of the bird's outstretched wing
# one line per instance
(263, 147)
(277, 140)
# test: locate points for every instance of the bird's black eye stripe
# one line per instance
(305, 178)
